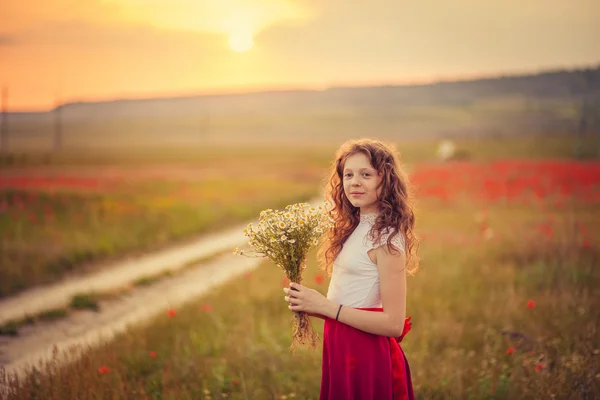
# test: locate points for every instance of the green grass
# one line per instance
(468, 305)
(85, 301)
(54, 314)
(51, 229)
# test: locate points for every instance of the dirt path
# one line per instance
(37, 341)
(118, 274)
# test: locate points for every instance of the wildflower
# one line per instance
(152, 354)
(171, 313)
(540, 367)
(319, 279)
(272, 235)
(510, 350)
(530, 304)
(488, 233)
(207, 307)
(103, 370)
(235, 250)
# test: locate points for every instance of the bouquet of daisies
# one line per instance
(285, 237)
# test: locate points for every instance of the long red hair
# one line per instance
(395, 205)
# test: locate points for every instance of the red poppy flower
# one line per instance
(319, 279)
(510, 350)
(540, 367)
(235, 382)
(152, 354)
(530, 304)
(285, 282)
(171, 313)
(207, 307)
(103, 370)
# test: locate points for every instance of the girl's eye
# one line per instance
(348, 175)
(366, 174)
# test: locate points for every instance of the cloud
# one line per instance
(218, 16)
(387, 39)
(6, 40)
(210, 16)
(92, 37)
(23, 15)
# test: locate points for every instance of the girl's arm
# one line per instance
(392, 281)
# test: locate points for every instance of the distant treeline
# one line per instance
(557, 101)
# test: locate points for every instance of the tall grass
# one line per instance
(65, 222)
(508, 315)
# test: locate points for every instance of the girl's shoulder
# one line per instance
(397, 239)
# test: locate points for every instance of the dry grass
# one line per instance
(478, 296)
(469, 306)
(66, 219)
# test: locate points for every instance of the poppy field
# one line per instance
(504, 305)
(70, 218)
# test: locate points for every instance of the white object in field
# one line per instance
(446, 150)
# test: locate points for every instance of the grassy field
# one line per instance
(62, 213)
(503, 307)
(67, 215)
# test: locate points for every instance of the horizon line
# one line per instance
(232, 91)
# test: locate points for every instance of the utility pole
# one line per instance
(57, 125)
(4, 124)
(589, 109)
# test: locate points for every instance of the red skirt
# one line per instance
(361, 366)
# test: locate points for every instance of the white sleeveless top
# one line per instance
(355, 279)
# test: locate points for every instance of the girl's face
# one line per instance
(360, 183)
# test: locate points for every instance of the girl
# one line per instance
(368, 250)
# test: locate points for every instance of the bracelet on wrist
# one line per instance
(338, 313)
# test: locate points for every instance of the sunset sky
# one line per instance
(105, 49)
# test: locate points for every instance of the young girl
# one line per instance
(368, 250)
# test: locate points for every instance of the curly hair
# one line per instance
(395, 205)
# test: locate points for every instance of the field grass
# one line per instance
(498, 316)
(293, 121)
(62, 213)
(503, 307)
(66, 217)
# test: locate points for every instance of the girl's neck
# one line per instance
(369, 211)
(368, 217)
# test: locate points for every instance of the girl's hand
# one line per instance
(305, 299)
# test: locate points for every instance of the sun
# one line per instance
(240, 42)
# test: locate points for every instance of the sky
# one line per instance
(54, 51)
